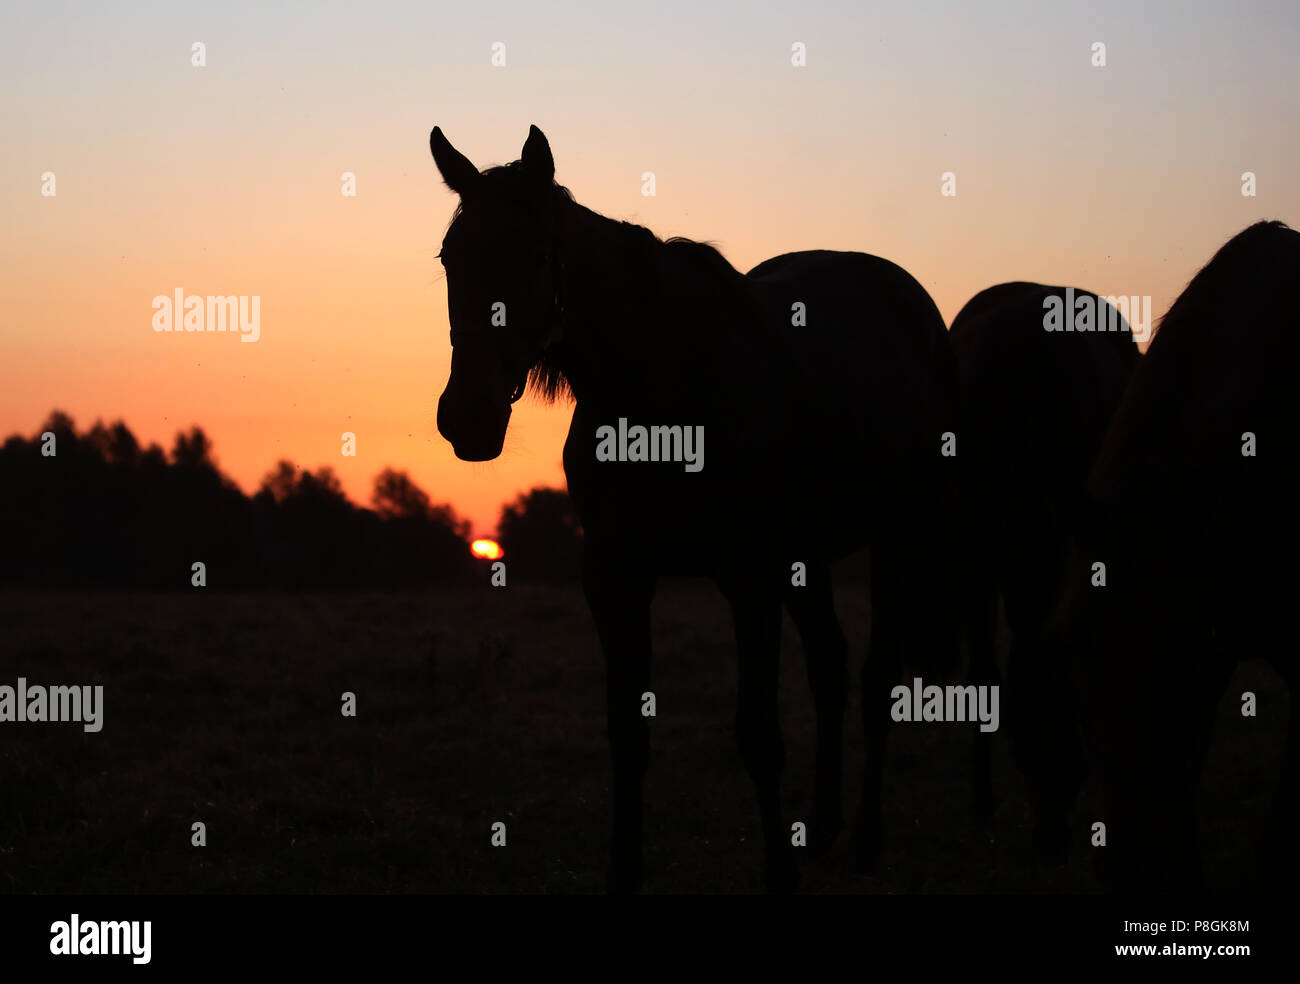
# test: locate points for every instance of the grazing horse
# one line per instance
(1193, 514)
(725, 425)
(1036, 398)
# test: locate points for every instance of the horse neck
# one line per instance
(600, 278)
(623, 314)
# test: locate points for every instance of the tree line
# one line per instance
(95, 509)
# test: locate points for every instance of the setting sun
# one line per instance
(487, 549)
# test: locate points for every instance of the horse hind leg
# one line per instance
(1160, 736)
(1041, 716)
(981, 618)
(1044, 743)
(756, 612)
(914, 621)
(881, 672)
(812, 607)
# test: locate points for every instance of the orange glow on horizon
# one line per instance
(486, 549)
(228, 182)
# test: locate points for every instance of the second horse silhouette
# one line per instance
(825, 388)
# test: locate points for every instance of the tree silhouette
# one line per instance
(541, 536)
(101, 511)
(397, 497)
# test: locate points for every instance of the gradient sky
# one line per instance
(226, 180)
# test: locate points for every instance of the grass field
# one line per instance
(475, 707)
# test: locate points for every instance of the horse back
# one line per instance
(1035, 402)
(1195, 485)
(865, 343)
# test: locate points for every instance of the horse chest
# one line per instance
(679, 497)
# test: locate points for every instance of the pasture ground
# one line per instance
(473, 707)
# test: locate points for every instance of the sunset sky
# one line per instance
(225, 179)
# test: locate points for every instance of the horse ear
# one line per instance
(536, 158)
(459, 174)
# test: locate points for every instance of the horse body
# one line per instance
(1200, 540)
(1035, 406)
(805, 426)
(819, 438)
(874, 382)
(816, 439)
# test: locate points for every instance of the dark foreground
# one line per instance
(475, 707)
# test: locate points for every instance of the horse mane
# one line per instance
(705, 253)
(547, 380)
(507, 180)
(697, 267)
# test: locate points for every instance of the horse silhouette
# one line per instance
(823, 383)
(1035, 405)
(1193, 513)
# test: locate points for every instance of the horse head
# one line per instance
(503, 294)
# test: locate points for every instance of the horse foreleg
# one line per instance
(620, 607)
